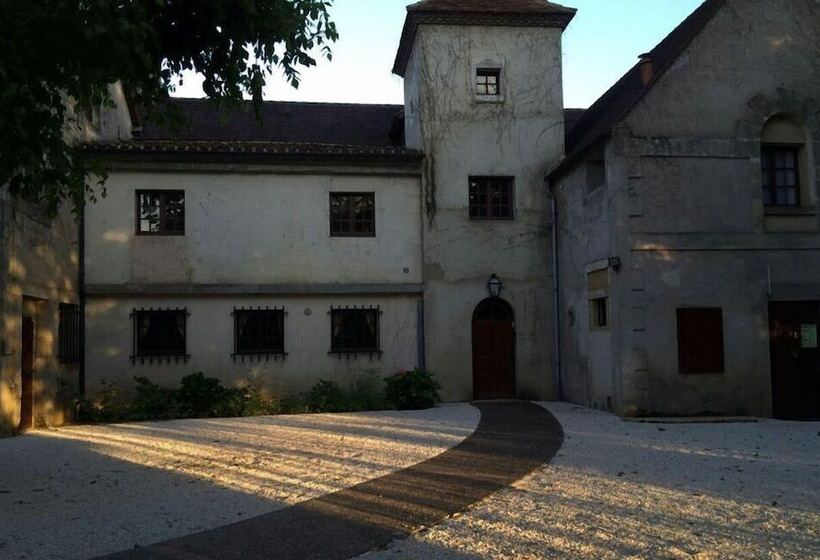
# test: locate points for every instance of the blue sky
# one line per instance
(601, 43)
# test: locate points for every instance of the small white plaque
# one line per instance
(808, 336)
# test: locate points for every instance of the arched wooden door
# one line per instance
(493, 350)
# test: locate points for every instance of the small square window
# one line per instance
(488, 82)
(700, 340)
(491, 198)
(161, 212)
(259, 332)
(354, 331)
(160, 333)
(352, 214)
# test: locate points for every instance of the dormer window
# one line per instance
(488, 82)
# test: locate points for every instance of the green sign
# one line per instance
(808, 336)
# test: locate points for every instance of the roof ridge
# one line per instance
(287, 102)
(619, 100)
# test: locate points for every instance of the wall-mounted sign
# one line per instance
(808, 336)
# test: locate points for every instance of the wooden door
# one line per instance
(27, 375)
(795, 359)
(493, 351)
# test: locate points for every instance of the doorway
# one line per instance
(27, 376)
(494, 350)
(795, 359)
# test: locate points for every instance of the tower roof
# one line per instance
(512, 13)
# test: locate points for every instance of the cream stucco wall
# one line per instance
(255, 228)
(462, 136)
(210, 341)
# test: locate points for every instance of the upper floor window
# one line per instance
(160, 333)
(161, 212)
(491, 198)
(488, 82)
(259, 332)
(782, 162)
(352, 214)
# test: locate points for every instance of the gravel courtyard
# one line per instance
(656, 491)
(615, 490)
(82, 491)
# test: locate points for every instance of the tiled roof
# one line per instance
(614, 105)
(261, 151)
(512, 13)
(306, 123)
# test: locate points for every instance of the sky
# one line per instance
(602, 42)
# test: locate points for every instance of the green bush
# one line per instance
(367, 392)
(152, 401)
(260, 403)
(205, 397)
(412, 390)
(106, 406)
(327, 396)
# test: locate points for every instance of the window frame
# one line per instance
(768, 157)
(685, 367)
(353, 351)
(487, 72)
(370, 195)
(275, 352)
(163, 195)
(138, 352)
(486, 197)
(68, 334)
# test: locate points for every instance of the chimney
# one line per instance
(647, 67)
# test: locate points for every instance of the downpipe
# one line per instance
(556, 294)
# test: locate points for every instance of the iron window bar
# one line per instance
(68, 334)
(141, 354)
(351, 352)
(258, 354)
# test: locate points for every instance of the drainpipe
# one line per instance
(556, 291)
(81, 284)
(422, 361)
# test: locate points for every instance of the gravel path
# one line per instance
(82, 491)
(625, 490)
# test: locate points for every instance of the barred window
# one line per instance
(352, 214)
(259, 332)
(160, 333)
(491, 198)
(161, 212)
(68, 334)
(355, 331)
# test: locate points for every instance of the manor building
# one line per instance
(657, 253)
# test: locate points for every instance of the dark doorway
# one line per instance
(795, 359)
(27, 375)
(494, 350)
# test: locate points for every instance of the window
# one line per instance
(598, 294)
(355, 331)
(491, 198)
(160, 212)
(352, 214)
(783, 163)
(488, 82)
(700, 340)
(781, 175)
(259, 332)
(68, 334)
(159, 334)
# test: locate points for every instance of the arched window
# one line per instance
(783, 162)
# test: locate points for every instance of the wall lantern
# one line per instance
(615, 263)
(494, 285)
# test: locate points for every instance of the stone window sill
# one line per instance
(790, 211)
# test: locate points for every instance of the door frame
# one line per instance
(28, 347)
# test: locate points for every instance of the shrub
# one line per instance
(106, 406)
(367, 392)
(412, 390)
(258, 402)
(327, 396)
(152, 401)
(205, 397)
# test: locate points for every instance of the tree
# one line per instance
(59, 57)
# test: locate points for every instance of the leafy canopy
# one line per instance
(59, 57)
